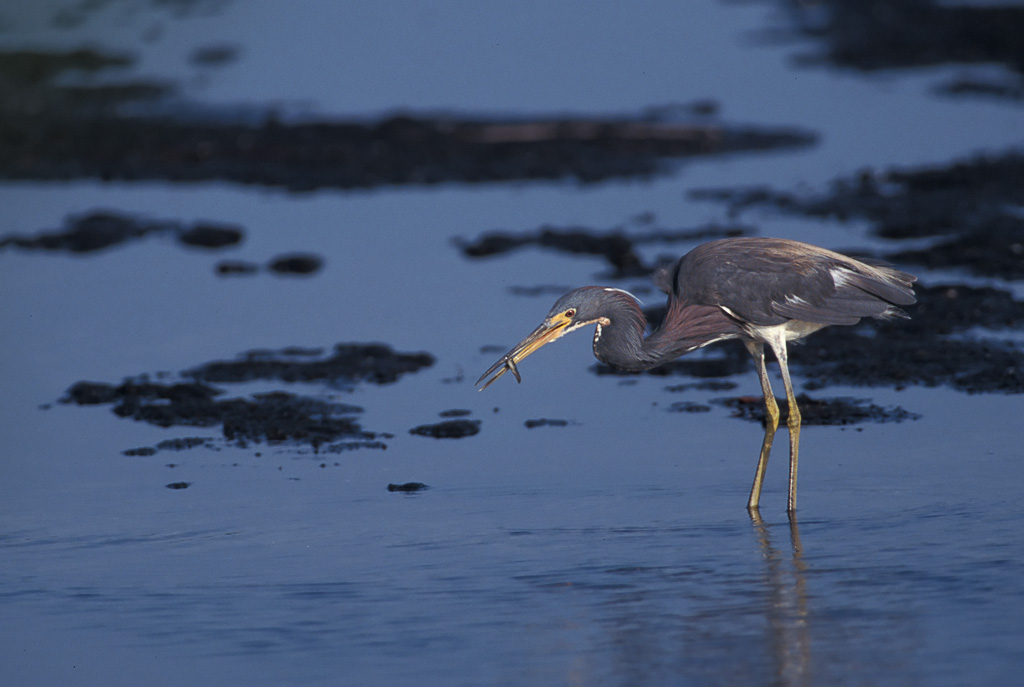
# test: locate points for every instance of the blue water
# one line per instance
(614, 550)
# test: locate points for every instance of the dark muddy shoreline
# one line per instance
(273, 417)
(875, 35)
(52, 131)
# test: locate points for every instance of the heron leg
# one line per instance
(793, 422)
(771, 423)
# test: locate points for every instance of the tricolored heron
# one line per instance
(758, 290)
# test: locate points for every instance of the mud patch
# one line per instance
(182, 444)
(1007, 88)
(56, 130)
(47, 84)
(347, 365)
(408, 487)
(299, 263)
(998, 252)
(272, 417)
(830, 411)
(449, 429)
(303, 264)
(937, 346)
(545, 422)
(397, 151)
(98, 230)
(101, 229)
(206, 236)
(897, 34)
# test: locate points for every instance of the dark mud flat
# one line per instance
(935, 347)
(898, 34)
(398, 151)
(101, 229)
(408, 487)
(818, 411)
(449, 429)
(170, 445)
(545, 422)
(347, 364)
(295, 264)
(272, 417)
(455, 412)
(73, 132)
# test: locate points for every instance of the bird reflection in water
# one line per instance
(786, 610)
(762, 291)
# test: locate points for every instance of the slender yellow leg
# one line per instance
(770, 425)
(793, 422)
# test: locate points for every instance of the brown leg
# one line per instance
(793, 423)
(771, 423)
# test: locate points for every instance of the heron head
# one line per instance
(578, 308)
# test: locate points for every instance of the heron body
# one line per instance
(762, 291)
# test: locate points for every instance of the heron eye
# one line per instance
(570, 313)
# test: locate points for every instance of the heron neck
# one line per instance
(621, 343)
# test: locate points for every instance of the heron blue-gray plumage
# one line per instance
(762, 291)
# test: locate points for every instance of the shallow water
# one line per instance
(613, 550)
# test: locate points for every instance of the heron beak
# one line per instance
(551, 329)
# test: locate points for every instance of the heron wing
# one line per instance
(859, 290)
(831, 311)
(766, 282)
(878, 280)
